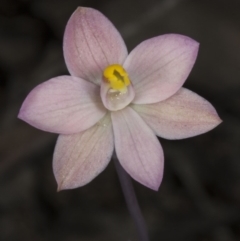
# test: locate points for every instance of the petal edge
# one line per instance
(91, 43)
(185, 114)
(137, 148)
(63, 105)
(159, 66)
(80, 157)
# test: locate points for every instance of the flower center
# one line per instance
(116, 89)
(117, 77)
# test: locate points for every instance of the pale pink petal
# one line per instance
(137, 148)
(91, 43)
(183, 115)
(158, 67)
(80, 157)
(63, 105)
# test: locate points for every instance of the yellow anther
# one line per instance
(117, 77)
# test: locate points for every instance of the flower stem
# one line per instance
(131, 200)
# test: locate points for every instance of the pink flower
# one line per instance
(115, 100)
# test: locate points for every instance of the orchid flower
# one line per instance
(115, 100)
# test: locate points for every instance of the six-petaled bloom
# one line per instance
(115, 100)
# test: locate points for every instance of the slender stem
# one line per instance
(131, 201)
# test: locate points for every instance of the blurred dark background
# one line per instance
(199, 199)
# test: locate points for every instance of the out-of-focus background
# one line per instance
(199, 199)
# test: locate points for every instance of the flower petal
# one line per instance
(80, 157)
(137, 148)
(183, 115)
(159, 66)
(63, 105)
(91, 43)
